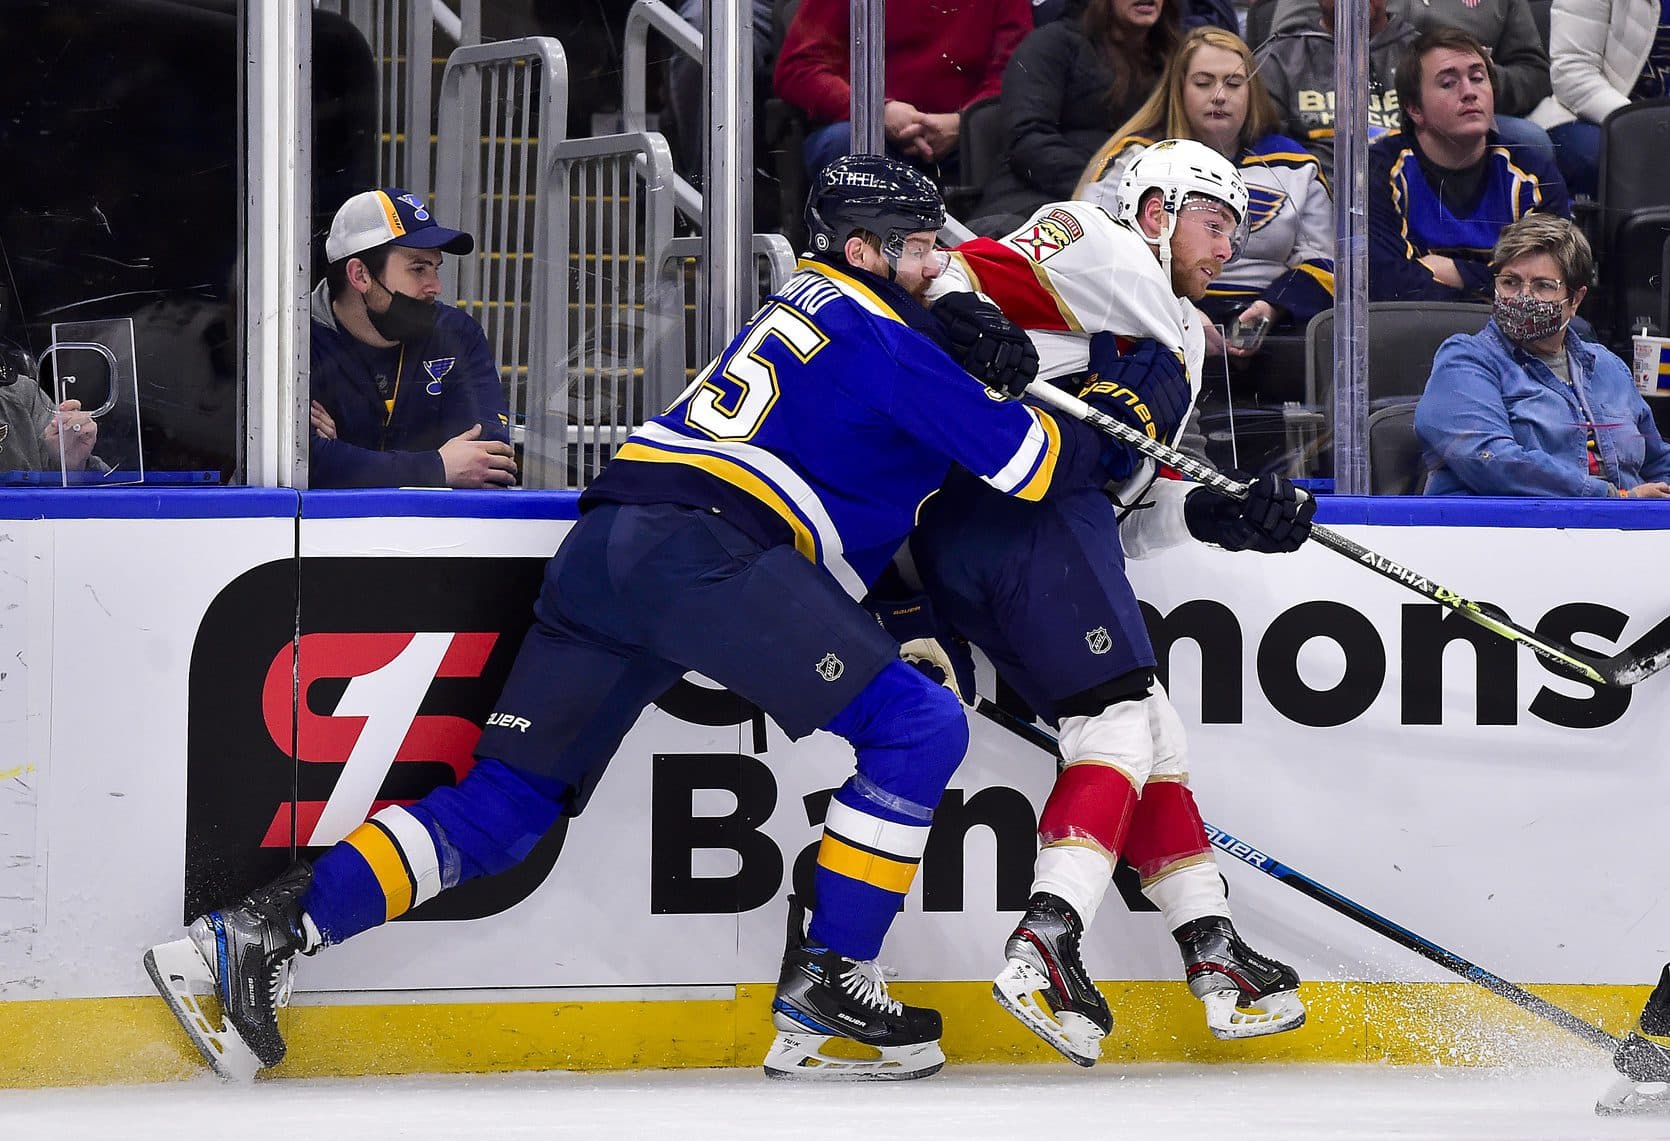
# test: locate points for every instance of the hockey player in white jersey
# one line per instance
(1043, 591)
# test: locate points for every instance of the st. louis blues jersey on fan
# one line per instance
(795, 433)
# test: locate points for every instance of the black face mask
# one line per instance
(406, 320)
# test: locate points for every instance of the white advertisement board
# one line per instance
(1457, 787)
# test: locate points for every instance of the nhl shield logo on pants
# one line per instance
(830, 668)
(1098, 640)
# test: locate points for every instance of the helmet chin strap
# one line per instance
(1162, 244)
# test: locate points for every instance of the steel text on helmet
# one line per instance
(1182, 170)
(879, 196)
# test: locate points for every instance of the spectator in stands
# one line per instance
(1066, 88)
(1441, 189)
(1524, 407)
(1508, 31)
(940, 58)
(1604, 53)
(1297, 67)
(33, 435)
(405, 391)
(1196, 13)
(1285, 275)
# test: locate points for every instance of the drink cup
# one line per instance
(1652, 365)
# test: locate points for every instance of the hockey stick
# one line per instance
(1642, 658)
(1356, 912)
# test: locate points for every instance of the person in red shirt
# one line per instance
(940, 58)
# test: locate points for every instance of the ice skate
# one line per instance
(1642, 1060)
(1643, 1085)
(1246, 994)
(827, 1003)
(1046, 986)
(241, 956)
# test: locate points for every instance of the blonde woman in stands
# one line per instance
(1211, 92)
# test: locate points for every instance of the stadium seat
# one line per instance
(1395, 463)
(1634, 215)
(982, 141)
(1403, 337)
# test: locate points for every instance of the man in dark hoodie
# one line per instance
(405, 390)
(1297, 67)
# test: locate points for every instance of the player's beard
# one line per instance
(1186, 281)
(917, 288)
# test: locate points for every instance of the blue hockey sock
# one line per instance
(910, 735)
(866, 864)
(404, 856)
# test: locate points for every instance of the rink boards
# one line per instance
(158, 756)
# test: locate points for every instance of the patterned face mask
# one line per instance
(1525, 319)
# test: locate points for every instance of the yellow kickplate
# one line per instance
(93, 1041)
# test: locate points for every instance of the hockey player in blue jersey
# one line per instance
(1041, 588)
(731, 535)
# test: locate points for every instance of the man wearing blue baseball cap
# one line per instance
(405, 389)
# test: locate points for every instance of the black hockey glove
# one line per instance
(1143, 386)
(990, 347)
(925, 643)
(1273, 519)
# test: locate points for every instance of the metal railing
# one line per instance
(401, 34)
(564, 279)
(647, 15)
(617, 354)
(504, 108)
(774, 261)
(575, 278)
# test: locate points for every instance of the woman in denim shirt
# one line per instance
(1524, 407)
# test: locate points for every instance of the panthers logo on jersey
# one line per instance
(1048, 236)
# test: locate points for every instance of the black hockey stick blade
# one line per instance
(1334, 901)
(1642, 658)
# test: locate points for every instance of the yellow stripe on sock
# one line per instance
(868, 867)
(374, 844)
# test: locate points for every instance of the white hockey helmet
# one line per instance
(1182, 169)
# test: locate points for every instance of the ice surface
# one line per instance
(1017, 1103)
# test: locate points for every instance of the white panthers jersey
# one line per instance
(1073, 270)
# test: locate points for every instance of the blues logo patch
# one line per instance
(1263, 204)
(437, 369)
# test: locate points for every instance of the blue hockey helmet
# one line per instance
(880, 195)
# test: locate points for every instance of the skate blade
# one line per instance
(812, 1058)
(1625, 1098)
(1016, 990)
(183, 979)
(1274, 1014)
